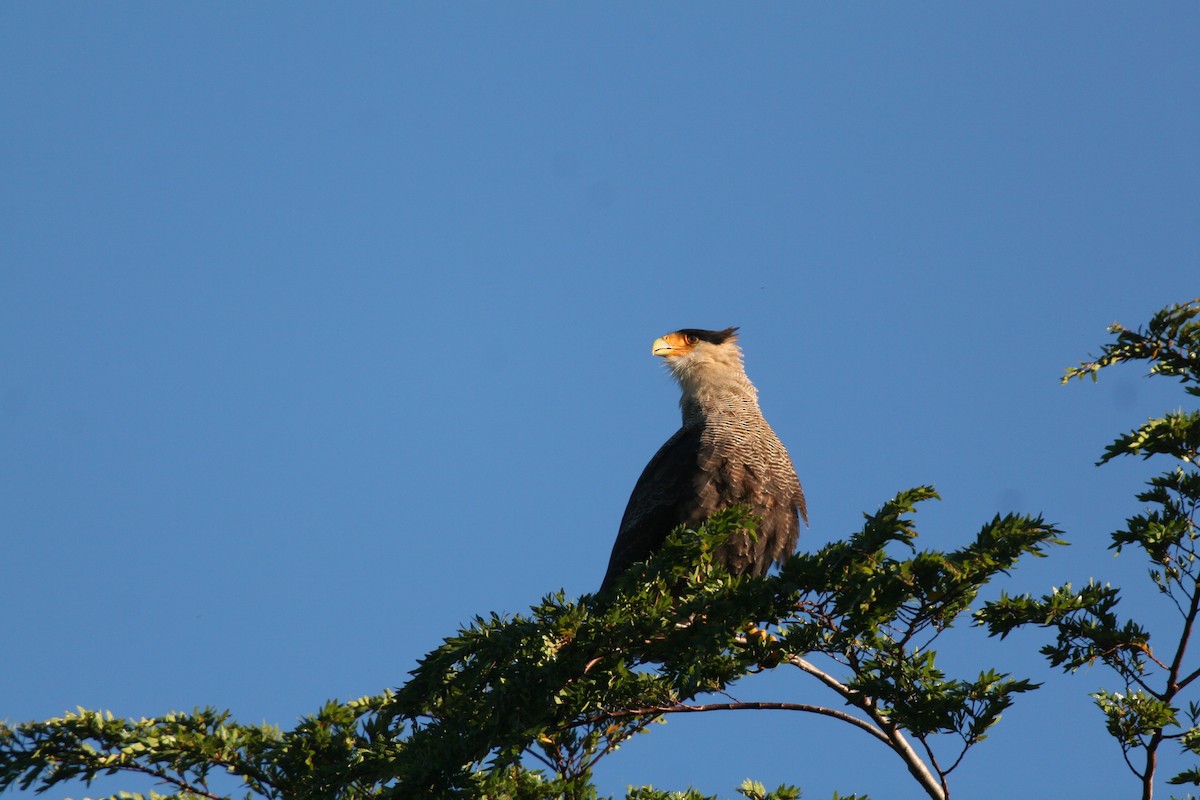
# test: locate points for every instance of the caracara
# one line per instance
(724, 454)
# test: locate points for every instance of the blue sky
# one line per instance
(325, 327)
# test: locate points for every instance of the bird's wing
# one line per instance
(661, 499)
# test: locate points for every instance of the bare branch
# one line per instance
(886, 730)
(824, 677)
(682, 708)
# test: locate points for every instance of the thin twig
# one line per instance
(616, 742)
(967, 744)
(941, 773)
(165, 777)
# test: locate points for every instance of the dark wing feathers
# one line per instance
(659, 502)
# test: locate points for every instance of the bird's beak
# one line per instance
(661, 347)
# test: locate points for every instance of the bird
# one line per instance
(724, 454)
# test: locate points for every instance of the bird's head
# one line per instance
(683, 343)
(706, 363)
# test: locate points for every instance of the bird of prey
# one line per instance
(724, 454)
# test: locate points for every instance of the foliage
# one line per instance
(574, 680)
(752, 790)
(568, 683)
(321, 757)
(1146, 712)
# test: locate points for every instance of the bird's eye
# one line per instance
(690, 339)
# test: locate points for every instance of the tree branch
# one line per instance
(934, 787)
(177, 782)
(682, 708)
(941, 773)
(824, 677)
(887, 731)
(612, 744)
(1173, 685)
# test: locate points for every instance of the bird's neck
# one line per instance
(707, 392)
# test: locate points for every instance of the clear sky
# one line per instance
(324, 327)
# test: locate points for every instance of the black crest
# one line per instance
(712, 337)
